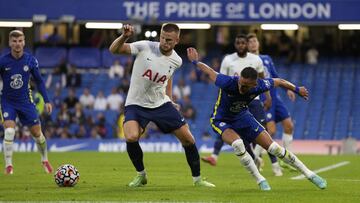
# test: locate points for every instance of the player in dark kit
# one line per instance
(16, 68)
(232, 119)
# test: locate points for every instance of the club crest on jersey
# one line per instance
(6, 114)
(155, 77)
(26, 68)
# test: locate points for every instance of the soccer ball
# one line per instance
(66, 176)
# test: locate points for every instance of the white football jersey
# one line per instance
(232, 64)
(150, 74)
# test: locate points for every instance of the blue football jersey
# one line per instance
(230, 103)
(16, 73)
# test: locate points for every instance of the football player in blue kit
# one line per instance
(16, 67)
(278, 111)
(233, 121)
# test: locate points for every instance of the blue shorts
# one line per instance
(256, 108)
(26, 112)
(166, 117)
(247, 126)
(277, 112)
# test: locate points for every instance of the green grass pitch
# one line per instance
(103, 177)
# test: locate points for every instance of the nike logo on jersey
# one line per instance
(149, 59)
(257, 129)
(6, 69)
(183, 119)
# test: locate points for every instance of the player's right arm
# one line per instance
(193, 56)
(119, 46)
(301, 91)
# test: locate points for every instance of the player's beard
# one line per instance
(164, 50)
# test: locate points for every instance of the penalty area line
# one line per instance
(327, 168)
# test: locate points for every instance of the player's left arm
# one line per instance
(301, 91)
(40, 84)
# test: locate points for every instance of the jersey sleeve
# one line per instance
(138, 46)
(263, 85)
(224, 67)
(35, 72)
(224, 81)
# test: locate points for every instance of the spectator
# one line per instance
(73, 78)
(63, 116)
(116, 70)
(188, 109)
(71, 100)
(78, 116)
(115, 100)
(57, 100)
(55, 38)
(100, 102)
(312, 56)
(100, 130)
(181, 90)
(87, 99)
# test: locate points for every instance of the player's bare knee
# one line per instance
(132, 137)
(239, 147)
(9, 134)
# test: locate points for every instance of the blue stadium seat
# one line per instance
(50, 57)
(83, 57)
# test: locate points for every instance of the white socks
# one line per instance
(8, 145)
(289, 158)
(42, 147)
(246, 160)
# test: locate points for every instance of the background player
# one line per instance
(232, 118)
(16, 100)
(278, 111)
(149, 98)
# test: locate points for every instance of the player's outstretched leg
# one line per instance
(289, 158)
(136, 155)
(249, 164)
(212, 159)
(8, 150)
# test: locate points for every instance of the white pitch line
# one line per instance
(327, 168)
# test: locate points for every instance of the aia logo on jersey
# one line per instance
(155, 77)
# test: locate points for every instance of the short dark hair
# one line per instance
(170, 27)
(249, 73)
(241, 36)
(16, 33)
(251, 35)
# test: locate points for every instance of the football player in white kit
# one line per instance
(149, 98)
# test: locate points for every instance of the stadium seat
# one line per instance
(50, 57)
(83, 57)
